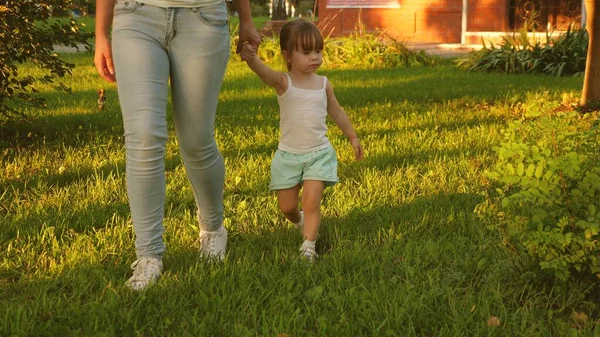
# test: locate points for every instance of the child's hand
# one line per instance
(358, 151)
(248, 52)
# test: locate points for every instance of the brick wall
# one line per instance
(487, 15)
(417, 20)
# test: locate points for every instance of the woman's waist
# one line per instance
(181, 3)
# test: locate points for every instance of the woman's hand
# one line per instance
(248, 34)
(248, 52)
(103, 59)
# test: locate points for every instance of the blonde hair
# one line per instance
(299, 33)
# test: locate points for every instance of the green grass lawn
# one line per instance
(402, 253)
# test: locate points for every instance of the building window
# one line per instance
(544, 14)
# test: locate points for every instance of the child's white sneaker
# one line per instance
(300, 223)
(146, 270)
(213, 244)
(308, 253)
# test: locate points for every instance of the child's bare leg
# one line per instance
(311, 205)
(288, 203)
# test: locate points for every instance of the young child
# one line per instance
(304, 158)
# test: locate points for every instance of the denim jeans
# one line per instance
(190, 48)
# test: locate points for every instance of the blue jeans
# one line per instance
(190, 48)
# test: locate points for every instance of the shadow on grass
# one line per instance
(380, 232)
(84, 221)
(423, 86)
(69, 129)
(434, 216)
(435, 85)
(417, 256)
(70, 177)
(404, 160)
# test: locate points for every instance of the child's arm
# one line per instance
(343, 122)
(270, 77)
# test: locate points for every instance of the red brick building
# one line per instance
(445, 21)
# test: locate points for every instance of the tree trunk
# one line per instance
(279, 12)
(591, 83)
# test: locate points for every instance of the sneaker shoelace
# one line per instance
(144, 269)
(208, 240)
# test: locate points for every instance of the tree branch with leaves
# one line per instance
(28, 34)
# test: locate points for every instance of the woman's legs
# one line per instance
(199, 52)
(151, 44)
(142, 71)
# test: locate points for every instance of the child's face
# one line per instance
(305, 61)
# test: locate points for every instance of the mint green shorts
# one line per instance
(289, 169)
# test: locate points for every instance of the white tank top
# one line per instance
(302, 114)
(181, 3)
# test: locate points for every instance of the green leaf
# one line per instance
(530, 170)
(520, 169)
(539, 171)
(510, 170)
(493, 175)
(576, 193)
(511, 179)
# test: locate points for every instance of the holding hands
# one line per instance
(248, 51)
(248, 35)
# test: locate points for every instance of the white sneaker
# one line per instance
(146, 270)
(213, 244)
(300, 224)
(308, 253)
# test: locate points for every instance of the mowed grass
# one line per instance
(402, 253)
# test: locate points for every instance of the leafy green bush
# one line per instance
(563, 56)
(366, 51)
(359, 50)
(544, 196)
(372, 51)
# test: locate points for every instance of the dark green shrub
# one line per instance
(563, 56)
